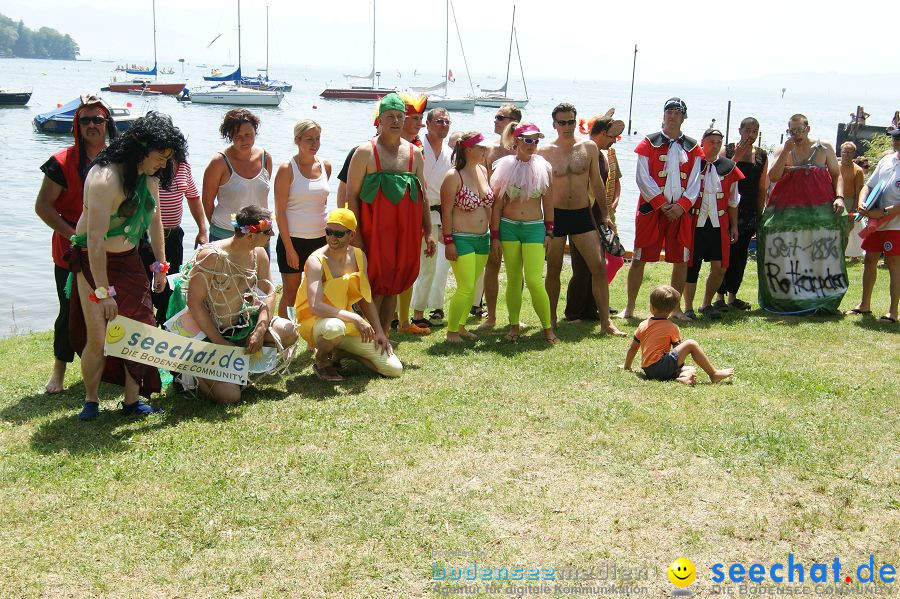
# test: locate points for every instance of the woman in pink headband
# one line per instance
(466, 203)
(522, 222)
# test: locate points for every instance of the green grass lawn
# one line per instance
(536, 456)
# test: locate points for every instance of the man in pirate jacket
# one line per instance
(668, 177)
(711, 219)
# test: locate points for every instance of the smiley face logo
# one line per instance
(115, 333)
(682, 572)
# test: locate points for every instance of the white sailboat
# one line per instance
(230, 92)
(498, 97)
(459, 103)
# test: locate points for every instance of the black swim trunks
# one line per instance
(572, 222)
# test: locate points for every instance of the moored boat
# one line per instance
(232, 95)
(14, 98)
(59, 120)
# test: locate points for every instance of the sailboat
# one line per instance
(144, 83)
(497, 97)
(263, 82)
(443, 100)
(230, 91)
(360, 92)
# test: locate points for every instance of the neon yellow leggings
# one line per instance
(467, 268)
(530, 257)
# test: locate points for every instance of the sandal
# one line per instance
(141, 408)
(887, 319)
(412, 329)
(858, 311)
(436, 314)
(327, 373)
(722, 306)
(739, 304)
(711, 313)
(690, 315)
(422, 323)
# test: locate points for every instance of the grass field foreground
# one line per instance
(533, 455)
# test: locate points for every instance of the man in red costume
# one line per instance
(668, 176)
(385, 192)
(716, 210)
(59, 203)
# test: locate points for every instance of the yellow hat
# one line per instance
(343, 217)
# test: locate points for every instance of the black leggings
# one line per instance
(62, 349)
(737, 261)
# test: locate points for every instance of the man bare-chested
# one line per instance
(576, 170)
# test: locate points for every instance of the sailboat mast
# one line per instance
(239, 35)
(267, 41)
(373, 44)
(155, 71)
(521, 67)
(509, 58)
(446, 46)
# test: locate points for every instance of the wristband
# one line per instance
(548, 225)
(101, 293)
(162, 267)
(448, 238)
(495, 234)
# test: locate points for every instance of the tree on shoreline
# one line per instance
(18, 40)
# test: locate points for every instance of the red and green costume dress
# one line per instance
(390, 213)
(801, 244)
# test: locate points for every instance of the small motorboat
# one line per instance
(14, 97)
(59, 120)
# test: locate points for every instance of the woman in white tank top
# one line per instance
(237, 177)
(301, 193)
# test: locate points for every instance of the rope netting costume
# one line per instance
(223, 278)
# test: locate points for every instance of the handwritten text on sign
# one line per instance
(804, 264)
(132, 340)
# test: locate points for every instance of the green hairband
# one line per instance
(391, 101)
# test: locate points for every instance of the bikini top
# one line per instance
(469, 201)
(810, 161)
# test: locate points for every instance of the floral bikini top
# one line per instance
(469, 201)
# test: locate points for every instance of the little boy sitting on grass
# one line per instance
(656, 335)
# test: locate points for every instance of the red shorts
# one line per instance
(668, 240)
(887, 242)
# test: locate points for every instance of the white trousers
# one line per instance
(429, 288)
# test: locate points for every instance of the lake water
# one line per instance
(28, 296)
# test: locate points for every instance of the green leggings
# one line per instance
(473, 255)
(527, 256)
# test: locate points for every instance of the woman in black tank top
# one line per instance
(753, 162)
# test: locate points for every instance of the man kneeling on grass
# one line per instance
(334, 278)
(232, 298)
(657, 334)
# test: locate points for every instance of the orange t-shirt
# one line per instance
(656, 336)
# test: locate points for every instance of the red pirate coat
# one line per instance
(648, 220)
(729, 174)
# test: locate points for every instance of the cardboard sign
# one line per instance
(132, 340)
(804, 265)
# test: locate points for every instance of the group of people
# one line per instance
(410, 208)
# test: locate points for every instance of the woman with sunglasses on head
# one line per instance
(238, 176)
(522, 222)
(301, 191)
(466, 204)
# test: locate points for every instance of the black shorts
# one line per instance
(303, 247)
(707, 247)
(664, 369)
(572, 222)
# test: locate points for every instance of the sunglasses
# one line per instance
(530, 140)
(335, 234)
(88, 120)
(562, 123)
(442, 121)
(500, 117)
(794, 130)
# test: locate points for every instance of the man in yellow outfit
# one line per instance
(335, 279)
